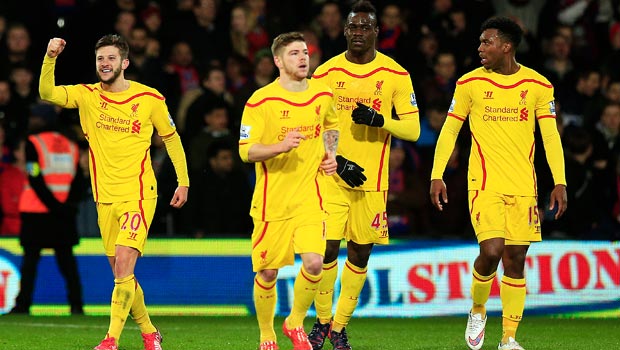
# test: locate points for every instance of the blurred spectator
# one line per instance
(238, 71)
(612, 92)
(87, 222)
(581, 103)
(215, 127)
(264, 73)
(558, 65)
(586, 215)
(48, 207)
(390, 30)
(246, 34)
(527, 14)
(443, 81)
(18, 50)
(125, 21)
(405, 196)
(145, 65)
(182, 74)
(13, 113)
(205, 35)
(222, 194)
(23, 90)
(213, 91)
(152, 19)
(331, 34)
(610, 66)
(12, 182)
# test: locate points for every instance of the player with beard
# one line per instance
(117, 117)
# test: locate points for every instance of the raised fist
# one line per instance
(55, 47)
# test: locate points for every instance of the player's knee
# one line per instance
(268, 275)
(314, 266)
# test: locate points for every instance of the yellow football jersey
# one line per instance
(383, 85)
(502, 111)
(289, 184)
(118, 127)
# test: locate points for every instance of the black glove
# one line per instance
(366, 115)
(350, 172)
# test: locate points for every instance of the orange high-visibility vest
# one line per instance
(58, 158)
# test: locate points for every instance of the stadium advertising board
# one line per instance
(405, 279)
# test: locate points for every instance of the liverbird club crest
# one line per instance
(379, 85)
(523, 95)
(134, 109)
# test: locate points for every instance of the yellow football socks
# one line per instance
(304, 289)
(265, 298)
(512, 292)
(352, 282)
(122, 299)
(324, 299)
(480, 290)
(138, 312)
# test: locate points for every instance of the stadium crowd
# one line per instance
(208, 56)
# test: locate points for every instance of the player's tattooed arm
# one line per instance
(330, 140)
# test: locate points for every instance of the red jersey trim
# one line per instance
(94, 163)
(471, 206)
(482, 163)
(523, 81)
(318, 193)
(262, 235)
(324, 93)
(132, 98)
(264, 166)
(359, 76)
(140, 177)
(381, 162)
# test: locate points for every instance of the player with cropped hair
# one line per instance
(289, 130)
(367, 85)
(503, 101)
(117, 117)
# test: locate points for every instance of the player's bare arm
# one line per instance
(180, 197)
(330, 141)
(55, 47)
(261, 152)
(438, 190)
(558, 199)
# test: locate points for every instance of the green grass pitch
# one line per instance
(191, 332)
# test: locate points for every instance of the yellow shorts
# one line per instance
(514, 218)
(357, 216)
(125, 223)
(275, 243)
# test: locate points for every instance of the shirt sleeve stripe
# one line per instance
(456, 117)
(546, 116)
(324, 93)
(523, 81)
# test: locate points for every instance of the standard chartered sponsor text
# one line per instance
(345, 103)
(110, 123)
(501, 117)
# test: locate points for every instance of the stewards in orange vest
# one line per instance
(48, 208)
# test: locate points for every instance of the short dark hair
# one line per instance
(364, 6)
(116, 41)
(214, 149)
(507, 29)
(284, 39)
